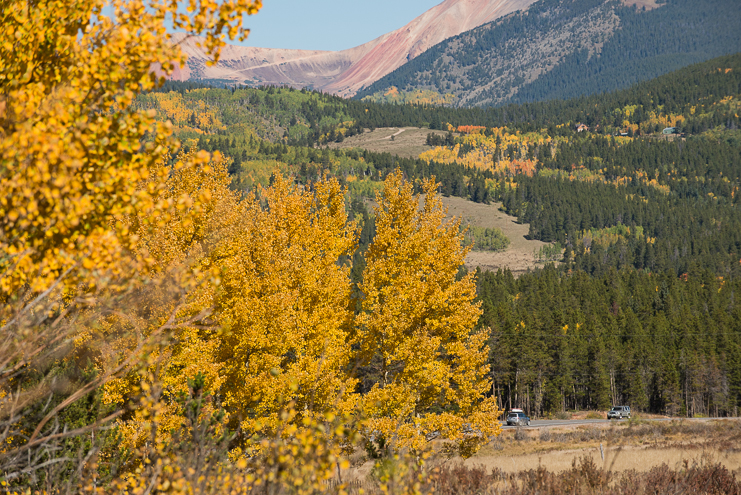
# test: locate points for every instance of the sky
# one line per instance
(329, 24)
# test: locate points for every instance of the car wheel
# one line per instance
(528, 422)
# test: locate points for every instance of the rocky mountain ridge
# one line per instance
(343, 72)
(559, 49)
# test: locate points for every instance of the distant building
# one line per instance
(670, 130)
(582, 128)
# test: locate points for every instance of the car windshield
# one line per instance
(617, 408)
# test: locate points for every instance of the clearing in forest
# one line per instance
(518, 257)
(407, 142)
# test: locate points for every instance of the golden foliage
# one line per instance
(416, 324)
(284, 304)
(486, 150)
(195, 115)
(267, 266)
(283, 329)
(251, 295)
(71, 147)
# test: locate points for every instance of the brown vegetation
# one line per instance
(586, 477)
(669, 457)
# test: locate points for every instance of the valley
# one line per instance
(298, 272)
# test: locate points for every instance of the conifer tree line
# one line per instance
(695, 226)
(563, 339)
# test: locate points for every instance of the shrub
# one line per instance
(520, 434)
(482, 239)
(545, 434)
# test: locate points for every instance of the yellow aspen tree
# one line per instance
(178, 246)
(284, 305)
(71, 147)
(73, 155)
(416, 327)
(272, 269)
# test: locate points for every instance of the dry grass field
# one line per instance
(518, 257)
(641, 457)
(408, 142)
(636, 445)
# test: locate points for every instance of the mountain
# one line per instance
(346, 71)
(567, 48)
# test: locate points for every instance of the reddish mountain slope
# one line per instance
(346, 71)
(450, 18)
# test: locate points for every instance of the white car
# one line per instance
(516, 417)
(619, 412)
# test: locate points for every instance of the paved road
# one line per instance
(546, 423)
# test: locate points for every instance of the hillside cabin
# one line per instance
(670, 130)
(582, 128)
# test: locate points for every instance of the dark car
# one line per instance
(517, 418)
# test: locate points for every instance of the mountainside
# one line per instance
(567, 48)
(346, 71)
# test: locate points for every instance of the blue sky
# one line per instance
(329, 24)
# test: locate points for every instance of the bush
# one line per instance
(481, 239)
(520, 434)
(545, 435)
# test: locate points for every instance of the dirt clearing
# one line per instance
(518, 257)
(408, 142)
(647, 4)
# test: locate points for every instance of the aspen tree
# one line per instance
(417, 323)
(284, 304)
(71, 147)
(74, 153)
(268, 270)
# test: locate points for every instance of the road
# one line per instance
(547, 423)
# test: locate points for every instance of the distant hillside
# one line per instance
(567, 48)
(308, 118)
(346, 71)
